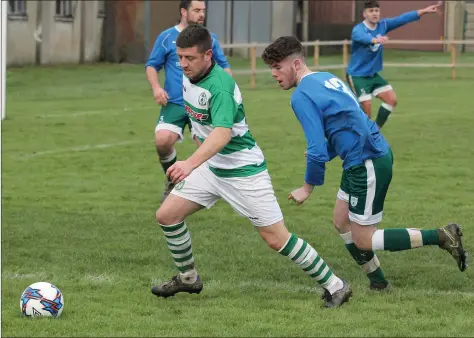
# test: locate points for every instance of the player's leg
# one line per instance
(369, 185)
(254, 198)
(362, 88)
(168, 131)
(384, 91)
(365, 258)
(187, 197)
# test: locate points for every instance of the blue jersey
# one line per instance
(334, 125)
(164, 54)
(366, 58)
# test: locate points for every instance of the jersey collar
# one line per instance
(203, 76)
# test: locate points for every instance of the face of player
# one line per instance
(196, 13)
(372, 15)
(285, 73)
(193, 62)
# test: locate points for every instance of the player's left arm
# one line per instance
(218, 55)
(394, 23)
(223, 110)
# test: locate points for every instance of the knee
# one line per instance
(166, 218)
(362, 241)
(164, 141)
(393, 100)
(341, 227)
(276, 241)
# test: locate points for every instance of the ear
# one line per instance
(297, 64)
(183, 12)
(208, 55)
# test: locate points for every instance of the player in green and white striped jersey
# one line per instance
(228, 165)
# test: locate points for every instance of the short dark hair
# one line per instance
(281, 48)
(371, 4)
(185, 4)
(195, 35)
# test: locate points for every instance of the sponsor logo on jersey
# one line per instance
(196, 115)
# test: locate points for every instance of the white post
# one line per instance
(3, 54)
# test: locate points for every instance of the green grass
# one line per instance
(81, 183)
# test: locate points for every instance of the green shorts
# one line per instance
(174, 118)
(364, 188)
(367, 86)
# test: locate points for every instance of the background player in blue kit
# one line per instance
(173, 118)
(366, 61)
(335, 125)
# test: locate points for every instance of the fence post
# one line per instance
(253, 66)
(316, 55)
(453, 60)
(345, 54)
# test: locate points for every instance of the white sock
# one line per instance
(168, 158)
(347, 237)
(378, 240)
(333, 284)
(188, 277)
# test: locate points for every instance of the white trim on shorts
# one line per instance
(365, 97)
(171, 127)
(377, 91)
(343, 196)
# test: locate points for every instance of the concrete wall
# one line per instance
(60, 38)
(21, 45)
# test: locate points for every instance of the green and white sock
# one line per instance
(403, 239)
(168, 161)
(304, 255)
(383, 113)
(367, 259)
(179, 242)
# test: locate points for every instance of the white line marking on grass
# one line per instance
(111, 111)
(81, 148)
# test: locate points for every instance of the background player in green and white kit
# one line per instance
(173, 119)
(366, 61)
(229, 165)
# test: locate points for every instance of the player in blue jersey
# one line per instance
(335, 125)
(173, 118)
(368, 38)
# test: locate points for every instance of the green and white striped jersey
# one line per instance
(215, 101)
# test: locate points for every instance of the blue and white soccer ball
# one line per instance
(42, 300)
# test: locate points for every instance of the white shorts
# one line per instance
(252, 197)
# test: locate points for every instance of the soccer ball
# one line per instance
(42, 300)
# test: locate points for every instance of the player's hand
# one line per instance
(432, 8)
(383, 39)
(161, 96)
(179, 171)
(300, 195)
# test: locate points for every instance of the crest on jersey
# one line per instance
(354, 201)
(202, 100)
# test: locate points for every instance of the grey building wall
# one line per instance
(21, 44)
(62, 40)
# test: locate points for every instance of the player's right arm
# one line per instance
(223, 111)
(361, 36)
(153, 66)
(317, 154)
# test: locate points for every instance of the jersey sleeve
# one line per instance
(218, 53)
(361, 36)
(158, 54)
(310, 117)
(394, 23)
(223, 109)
